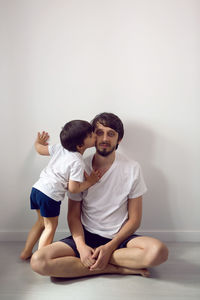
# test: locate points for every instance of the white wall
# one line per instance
(69, 59)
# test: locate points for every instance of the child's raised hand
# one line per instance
(42, 138)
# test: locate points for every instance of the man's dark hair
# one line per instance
(74, 133)
(109, 120)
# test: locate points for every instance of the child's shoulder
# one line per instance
(72, 156)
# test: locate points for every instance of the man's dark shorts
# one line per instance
(94, 241)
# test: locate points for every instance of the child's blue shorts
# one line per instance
(48, 207)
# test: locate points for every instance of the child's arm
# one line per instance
(41, 144)
(78, 187)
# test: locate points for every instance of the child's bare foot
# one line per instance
(25, 255)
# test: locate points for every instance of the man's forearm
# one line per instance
(127, 229)
(133, 222)
(77, 232)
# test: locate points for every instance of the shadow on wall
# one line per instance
(22, 218)
(139, 144)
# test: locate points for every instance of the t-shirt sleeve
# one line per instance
(53, 148)
(138, 187)
(79, 197)
(75, 197)
(77, 171)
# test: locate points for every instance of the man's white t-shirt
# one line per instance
(104, 205)
(62, 167)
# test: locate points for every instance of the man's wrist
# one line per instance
(80, 245)
(112, 245)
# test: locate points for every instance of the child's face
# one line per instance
(90, 140)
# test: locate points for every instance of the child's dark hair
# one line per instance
(109, 120)
(74, 133)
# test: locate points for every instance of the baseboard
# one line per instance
(163, 235)
(173, 236)
(21, 236)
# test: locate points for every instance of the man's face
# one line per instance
(107, 139)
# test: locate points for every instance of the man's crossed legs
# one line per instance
(141, 253)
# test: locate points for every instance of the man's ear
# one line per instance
(119, 142)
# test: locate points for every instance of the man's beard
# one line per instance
(104, 152)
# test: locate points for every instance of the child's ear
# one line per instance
(79, 147)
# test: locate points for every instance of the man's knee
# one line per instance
(157, 254)
(39, 263)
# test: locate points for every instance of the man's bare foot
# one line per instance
(25, 255)
(142, 272)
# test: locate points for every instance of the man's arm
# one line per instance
(102, 254)
(76, 228)
(41, 144)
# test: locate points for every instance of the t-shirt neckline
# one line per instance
(111, 167)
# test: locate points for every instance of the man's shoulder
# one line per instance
(129, 162)
(88, 159)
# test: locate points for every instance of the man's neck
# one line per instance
(103, 162)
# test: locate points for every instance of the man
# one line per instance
(104, 219)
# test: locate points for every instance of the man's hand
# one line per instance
(42, 138)
(86, 253)
(102, 256)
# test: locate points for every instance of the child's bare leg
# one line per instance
(50, 225)
(33, 237)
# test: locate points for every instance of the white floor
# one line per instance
(179, 278)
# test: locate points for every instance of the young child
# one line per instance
(65, 171)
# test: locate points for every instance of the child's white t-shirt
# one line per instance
(104, 205)
(63, 165)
